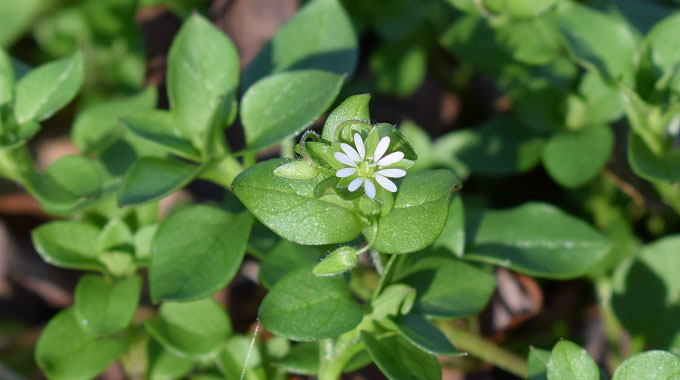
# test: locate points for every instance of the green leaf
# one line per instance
(16, 18)
(115, 235)
(66, 352)
(298, 169)
(6, 78)
(663, 45)
(421, 332)
(445, 286)
(95, 127)
(285, 257)
(420, 211)
(398, 359)
(598, 41)
(535, 41)
(282, 105)
(68, 244)
(399, 67)
(602, 101)
(646, 297)
(568, 361)
(594, 145)
(537, 364)
(536, 239)
(290, 208)
(48, 88)
(162, 129)
(103, 307)
(197, 251)
(649, 165)
(452, 237)
(338, 261)
(76, 175)
(192, 329)
(164, 365)
(303, 307)
(151, 178)
(421, 143)
(650, 365)
(203, 67)
(353, 108)
(320, 36)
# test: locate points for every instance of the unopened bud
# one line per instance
(338, 261)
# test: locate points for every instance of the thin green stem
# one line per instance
(484, 349)
(249, 159)
(377, 262)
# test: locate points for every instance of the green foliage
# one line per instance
(365, 252)
(190, 329)
(322, 307)
(204, 260)
(103, 307)
(535, 238)
(269, 117)
(66, 352)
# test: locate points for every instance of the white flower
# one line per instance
(369, 168)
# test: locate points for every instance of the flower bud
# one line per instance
(338, 261)
(298, 169)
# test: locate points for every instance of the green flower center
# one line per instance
(365, 169)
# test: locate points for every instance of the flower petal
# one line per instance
(356, 182)
(345, 159)
(392, 173)
(386, 183)
(381, 148)
(345, 172)
(370, 188)
(391, 158)
(359, 143)
(349, 151)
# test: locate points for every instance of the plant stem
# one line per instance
(224, 171)
(377, 262)
(332, 369)
(485, 349)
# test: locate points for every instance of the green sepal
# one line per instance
(339, 261)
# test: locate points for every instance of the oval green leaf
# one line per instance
(196, 251)
(445, 286)
(537, 239)
(289, 207)
(398, 359)
(568, 361)
(48, 88)
(151, 178)
(103, 307)
(420, 211)
(594, 144)
(284, 104)
(421, 332)
(303, 307)
(68, 244)
(66, 352)
(193, 329)
(162, 129)
(650, 365)
(203, 67)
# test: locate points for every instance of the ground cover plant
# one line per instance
(480, 189)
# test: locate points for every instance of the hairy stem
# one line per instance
(485, 349)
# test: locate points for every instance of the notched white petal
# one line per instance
(381, 148)
(359, 143)
(356, 182)
(391, 158)
(343, 158)
(345, 172)
(392, 173)
(350, 152)
(386, 183)
(370, 188)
